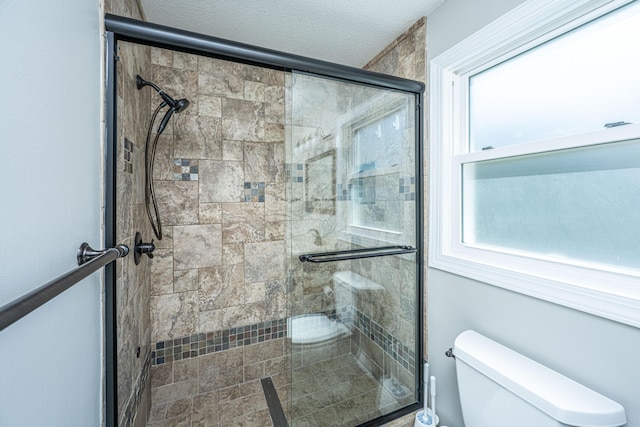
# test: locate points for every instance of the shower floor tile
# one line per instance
(333, 393)
(337, 393)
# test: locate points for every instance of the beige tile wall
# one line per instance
(222, 263)
(132, 281)
(220, 389)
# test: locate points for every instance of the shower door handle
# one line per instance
(356, 254)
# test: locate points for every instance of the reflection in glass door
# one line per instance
(352, 227)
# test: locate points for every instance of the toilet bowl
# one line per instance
(316, 338)
(314, 328)
(499, 387)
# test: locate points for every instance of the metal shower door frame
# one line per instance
(125, 29)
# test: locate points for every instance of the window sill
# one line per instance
(370, 237)
(573, 286)
(376, 172)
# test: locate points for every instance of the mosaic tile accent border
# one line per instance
(185, 170)
(225, 339)
(295, 172)
(133, 405)
(212, 342)
(391, 345)
(343, 192)
(357, 192)
(254, 192)
(127, 151)
(407, 186)
(395, 348)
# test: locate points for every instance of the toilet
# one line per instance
(314, 328)
(316, 338)
(499, 387)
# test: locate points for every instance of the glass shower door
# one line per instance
(353, 327)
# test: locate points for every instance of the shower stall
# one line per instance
(289, 198)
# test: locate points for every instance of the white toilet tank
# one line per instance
(501, 388)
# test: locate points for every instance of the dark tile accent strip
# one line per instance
(127, 152)
(343, 192)
(254, 191)
(391, 345)
(295, 172)
(185, 170)
(407, 186)
(225, 339)
(212, 342)
(278, 418)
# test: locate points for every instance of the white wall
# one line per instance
(50, 185)
(597, 352)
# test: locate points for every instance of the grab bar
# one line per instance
(89, 261)
(356, 254)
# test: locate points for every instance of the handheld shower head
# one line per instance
(181, 105)
(150, 149)
(177, 106)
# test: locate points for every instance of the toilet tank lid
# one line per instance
(554, 394)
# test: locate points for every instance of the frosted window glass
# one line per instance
(382, 170)
(579, 203)
(380, 144)
(574, 84)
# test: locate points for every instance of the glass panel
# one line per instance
(578, 203)
(578, 83)
(377, 143)
(379, 161)
(351, 184)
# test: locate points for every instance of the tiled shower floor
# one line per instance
(333, 393)
(337, 392)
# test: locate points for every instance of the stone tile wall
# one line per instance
(132, 281)
(220, 270)
(133, 328)
(219, 178)
(406, 56)
(128, 8)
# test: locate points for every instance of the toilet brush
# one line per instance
(426, 418)
(433, 401)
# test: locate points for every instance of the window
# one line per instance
(535, 161)
(575, 83)
(378, 149)
(378, 138)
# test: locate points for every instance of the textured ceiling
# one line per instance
(349, 32)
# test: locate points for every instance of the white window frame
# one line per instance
(606, 291)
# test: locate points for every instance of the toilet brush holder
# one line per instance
(428, 421)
